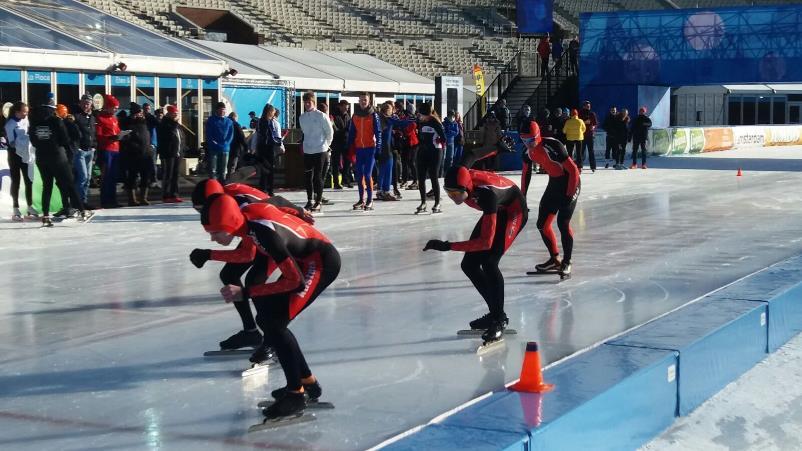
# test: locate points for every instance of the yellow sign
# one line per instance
(479, 79)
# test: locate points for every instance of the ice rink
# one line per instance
(103, 325)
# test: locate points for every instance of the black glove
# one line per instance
(199, 257)
(438, 245)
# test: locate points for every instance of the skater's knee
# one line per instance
(470, 265)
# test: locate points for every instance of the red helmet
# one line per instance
(222, 214)
(204, 189)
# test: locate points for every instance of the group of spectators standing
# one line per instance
(66, 142)
(553, 49)
(377, 148)
(577, 128)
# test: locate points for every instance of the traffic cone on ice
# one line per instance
(739, 174)
(531, 374)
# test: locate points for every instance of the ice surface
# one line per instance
(103, 326)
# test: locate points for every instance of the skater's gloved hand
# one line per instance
(232, 293)
(199, 257)
(438, 245)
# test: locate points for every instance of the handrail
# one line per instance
(548, 87)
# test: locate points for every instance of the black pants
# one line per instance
(574, 63)
(398, 168)
(19, 171)
(169, 177)
(267, 166)
(274, 313)
(544, 67)
(138, 168)
(428, 164)
(410, 155)
(639, 144)
(326, 171)
(587, 149)
(313, 175)
(336, 161)
(556, 204)
(231, 274)
(622, 151)
(482, 267)
(59, 170)
(575, 151)
(233, 161)
(611, 149)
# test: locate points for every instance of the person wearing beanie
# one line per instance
(171, 144)
(640, 134)
(108, 140)
(504, 215)
(364, 141)
(574, 130)
(51, 139)
(136, 157)
(430, 154)
(82, 162)
(219, 135)
(558, 200)
(309, 263)
(591, 121)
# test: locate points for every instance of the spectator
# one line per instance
(318, 135)
(609, 126)
(409, 152)
(523, 117)
(72, 148)
(364, 136)
(557, 53)
(21, 153)
(153, 125)
(620, 137)
(254, 120)
(238, 144)
(432, 137)
(503, 114)
(340, 163)
(543, 120)
(219, 134)
(557, 122)
(459, 141)
(268, 143)
(107, 130)
(591, 121)
(544, 50)
(640, 134)
(323, 107)
(574, 130)
(82, 162)
(491, 137)
(573, 56)
(171, 147)
(452, 132)
(385, 158)
(49, 136)
(159, 113)
(136, 156)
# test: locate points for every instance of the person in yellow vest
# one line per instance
(574, 130)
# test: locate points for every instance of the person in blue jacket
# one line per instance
(384, 155)
(452, 132)
(219, 135)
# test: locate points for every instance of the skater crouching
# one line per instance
(504, 215)
(308, 262)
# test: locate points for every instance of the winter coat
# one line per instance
(452, 131)
(544, 48)
(590, 120)
(574, 129)
(342, 122)
(640, 127)
(318, 132)
(365, 129)
(171, 139)
(557, 124)
(219, 134)
(108, 129)
(49, 136)
(620, 130)
(18, 139)
(136, 145)
(238, 143)
(557, 48)
(503, 116)
(88, 127)
(74, 133)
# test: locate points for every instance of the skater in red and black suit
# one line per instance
(504, 214)
(558, 201)
(308, 262)
(242, 259)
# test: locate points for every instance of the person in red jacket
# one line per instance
(559, 200)
(504, 215)
(410, 148)
(108, 143)
(309, 263)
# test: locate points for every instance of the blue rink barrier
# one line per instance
(623, 393)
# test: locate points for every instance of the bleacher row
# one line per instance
(429, 37)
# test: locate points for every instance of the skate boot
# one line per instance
(47, 221)
(308, 206)
(315, 208)
(485, 321)
(324, 201)
(242, 339)
(397, 194)
(359, 205)
(421, 208)
(412, 186)
(552, 265)
(495, 332)
(261, 355)
(32, 213)
(369, 206)
(565, 270)
(312, 391)
(17, 217)
(436, 209)
(290, 405)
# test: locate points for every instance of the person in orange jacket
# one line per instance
(364, 136)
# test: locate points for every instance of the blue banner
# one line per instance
(38, 78)
(210, 83)
(167, 83)
(244, 100)
(121, 80)
(10, 76)
(145, 82)
(756, 44)
(95, 79)
(189, 83)
(67, 78)
(535, 16)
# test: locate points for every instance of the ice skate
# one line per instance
(492, 338)
(359, 205)
(17, 216)
(285, 411)
(32, 213)
(324, 201)
(483, 323)
(412, 186)
(397, 195)
(308, 206)
(368, 206)
(552, 266)
(421, 208)
(47, 221)
(436, 209)
(312, 391)
(242, 339)
(261, 359)
(565, 270)
(86, 216)
(315, 208)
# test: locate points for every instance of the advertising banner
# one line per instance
(718, 138)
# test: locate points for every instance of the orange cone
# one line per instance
(531, 374)
(739, 173)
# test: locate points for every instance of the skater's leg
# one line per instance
(472, 267)
(434, 171)
(47, 186)
(231, 274)
(309, 176)
(493, 276)
(423, 171)
(319, 167)
(15, 168)
(566, 233)
(545, 218)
